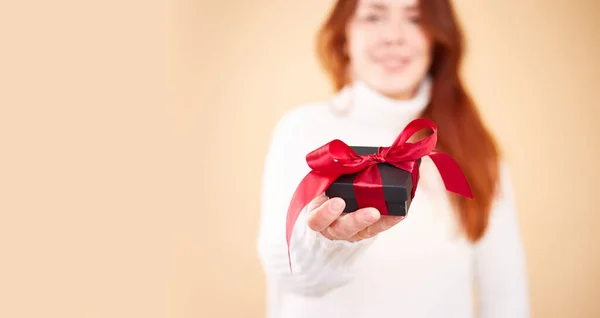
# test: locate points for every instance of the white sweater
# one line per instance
(422, 267)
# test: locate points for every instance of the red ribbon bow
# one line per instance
(335, 158)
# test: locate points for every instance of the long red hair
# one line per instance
(462, 133)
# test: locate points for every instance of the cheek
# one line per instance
(360, 43)
(420, 43)
(421, 51)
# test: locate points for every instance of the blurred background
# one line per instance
(132, 135)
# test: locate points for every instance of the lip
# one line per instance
(393, 64)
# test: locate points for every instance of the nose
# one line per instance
(394, 32)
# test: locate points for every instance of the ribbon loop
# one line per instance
(402, 150)
(335, 157)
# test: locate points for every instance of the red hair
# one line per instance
(462, 133)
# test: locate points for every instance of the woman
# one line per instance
(392, 61)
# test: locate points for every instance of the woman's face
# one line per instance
(387, 47)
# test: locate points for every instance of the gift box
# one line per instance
(382, 177)
(397, 186)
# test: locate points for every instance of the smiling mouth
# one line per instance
(393, 64)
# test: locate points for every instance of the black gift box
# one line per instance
(397, 186)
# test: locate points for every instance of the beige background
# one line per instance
(121, 194)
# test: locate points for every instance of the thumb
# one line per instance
(317, 202)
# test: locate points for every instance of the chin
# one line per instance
(394, 87)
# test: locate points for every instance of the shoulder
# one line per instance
(299, 131)
(292, 137)
(504, 205)
(312, 114)
(302, 115)
(301, 121)
(307, 126)
(504, 188)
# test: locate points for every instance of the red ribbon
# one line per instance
(335, 158)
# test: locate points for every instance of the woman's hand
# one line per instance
(325, 216)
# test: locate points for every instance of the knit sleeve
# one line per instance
(319, 264)
(500, 261)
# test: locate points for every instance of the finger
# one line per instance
(317, 202)
(348, 225)
(384, 224)
(321, 217)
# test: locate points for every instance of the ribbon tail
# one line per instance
(312, 185)
(453, 177)
(416, 176)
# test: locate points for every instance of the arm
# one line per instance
(319, 264)
(500, 260)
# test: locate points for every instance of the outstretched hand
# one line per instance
(326, 216)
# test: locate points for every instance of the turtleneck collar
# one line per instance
(363, 103)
